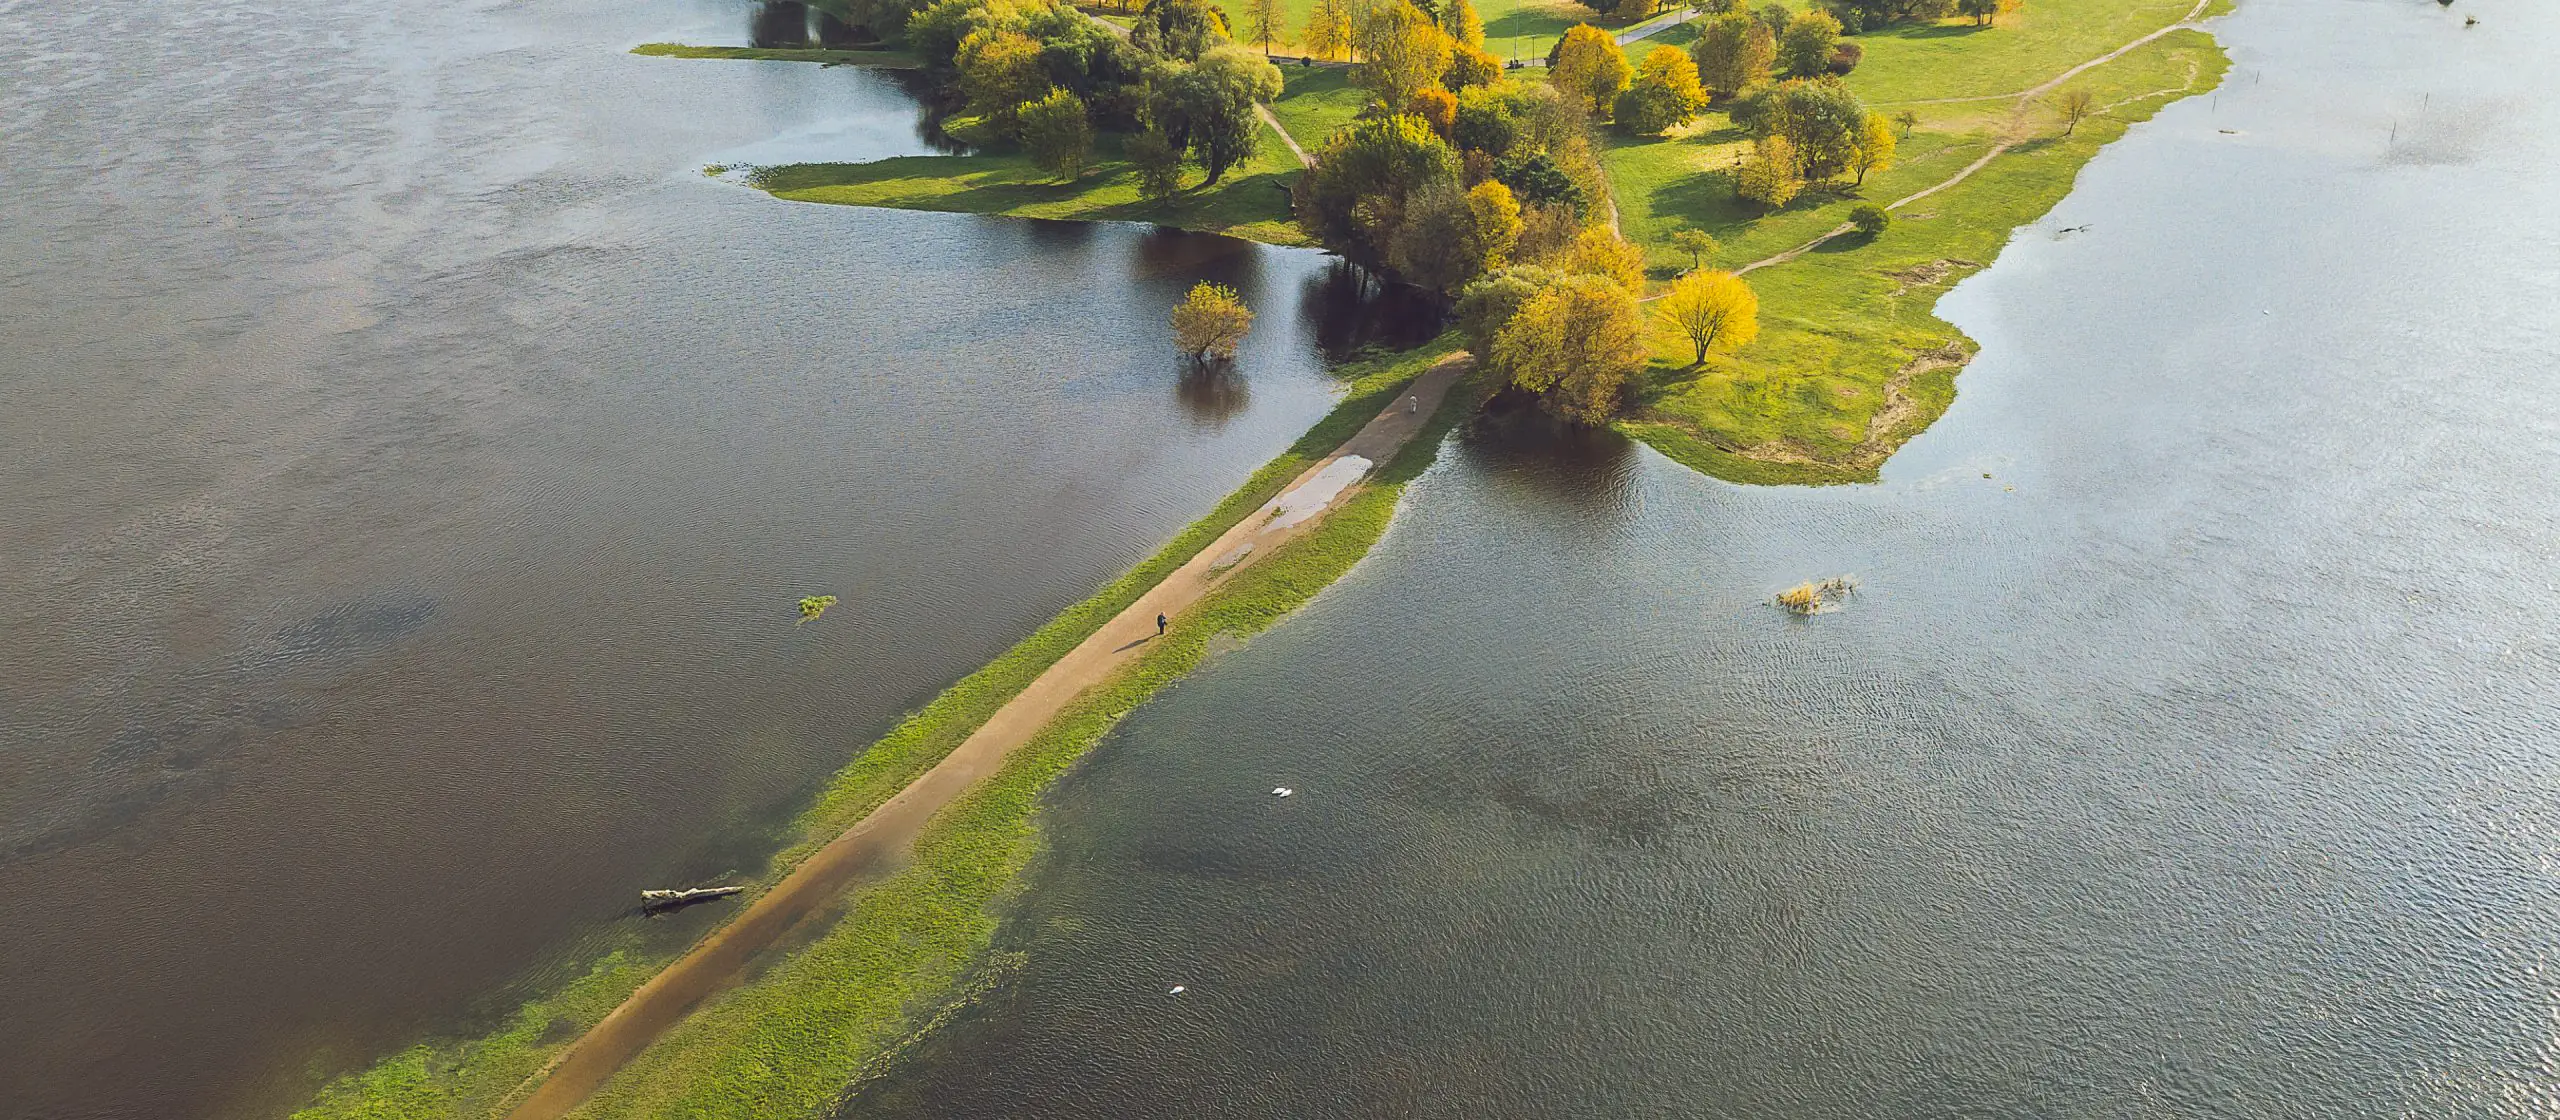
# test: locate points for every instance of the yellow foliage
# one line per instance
(1717, 310)
(1590, 68)
(1211, 322)
(1599, 251)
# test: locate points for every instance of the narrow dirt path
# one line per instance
(1304, 160)
(1996, 149)
(881, 839)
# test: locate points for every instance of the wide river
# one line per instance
(408, 461)
(2202, 761)
(409, 465)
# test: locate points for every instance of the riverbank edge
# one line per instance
(883, 59)
(483, 1075)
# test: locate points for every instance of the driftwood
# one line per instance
(652, 900)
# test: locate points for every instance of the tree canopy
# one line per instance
(1589, 68)
(1716, 310)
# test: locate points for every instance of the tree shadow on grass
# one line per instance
(1938, 31)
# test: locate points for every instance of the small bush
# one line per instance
(1870, 219)
(1845, 57)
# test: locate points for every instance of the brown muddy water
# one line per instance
(2202, 761)
(409, 463)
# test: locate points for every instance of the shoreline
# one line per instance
(882, 836)
(913, 935)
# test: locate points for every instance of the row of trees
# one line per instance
(1041, 73)
(1866, 15)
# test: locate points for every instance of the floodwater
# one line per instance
(2201, 761)
(409, 464)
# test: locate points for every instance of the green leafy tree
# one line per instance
(1698, 243)
(1263, 23)
(1804, 49)
(1407, 53)
(1733, 52)
(1487, 305)
(1665, 92)
(1449, 237)
(1159, 163)
(1823, 120)
(1353, 200)
(999, 70)
(1772, 176)
(1179, 29)
(1870, 219)
(1057, 135)
(1589, 68)
(1207, 108)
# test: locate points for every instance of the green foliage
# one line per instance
(1207, 108)
(999, 70)
(1821, 120)
(1487, 305)
(1450, 237)
(1405, 53)
(1353, 200)
(814, 605)
(1870, 219)
(1539, 182)
(1804, 48)
(1158, 162)
(1181, 30)
(1575, 343)
(1697, 243)
(1664, 93)
(1733, 53)
(1056, 134)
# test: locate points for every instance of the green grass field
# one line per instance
(885, 59)
(792, 1038)
(1801, 403)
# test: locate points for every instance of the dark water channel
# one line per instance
(2203, 760)
(408, 465)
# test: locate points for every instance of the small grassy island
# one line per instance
(1721, 231)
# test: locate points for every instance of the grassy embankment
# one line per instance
(792, 1038)
(885, 59)
(1850, 362)
(1252, 201)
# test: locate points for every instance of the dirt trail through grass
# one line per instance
(883, 837)
(2189, 20)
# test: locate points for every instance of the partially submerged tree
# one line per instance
(1211, 322)
(1574, 344)
(1716, 310)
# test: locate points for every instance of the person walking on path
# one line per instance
(1160, 620)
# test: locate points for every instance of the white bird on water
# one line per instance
(1177, 990)
(1281, 791)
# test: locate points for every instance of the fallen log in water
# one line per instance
(652, 900)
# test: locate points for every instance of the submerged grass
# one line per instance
(790, 1042)
(907, 938)
(884, 59)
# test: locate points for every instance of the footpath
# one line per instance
(883, 838)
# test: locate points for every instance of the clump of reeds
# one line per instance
(1817, 596)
